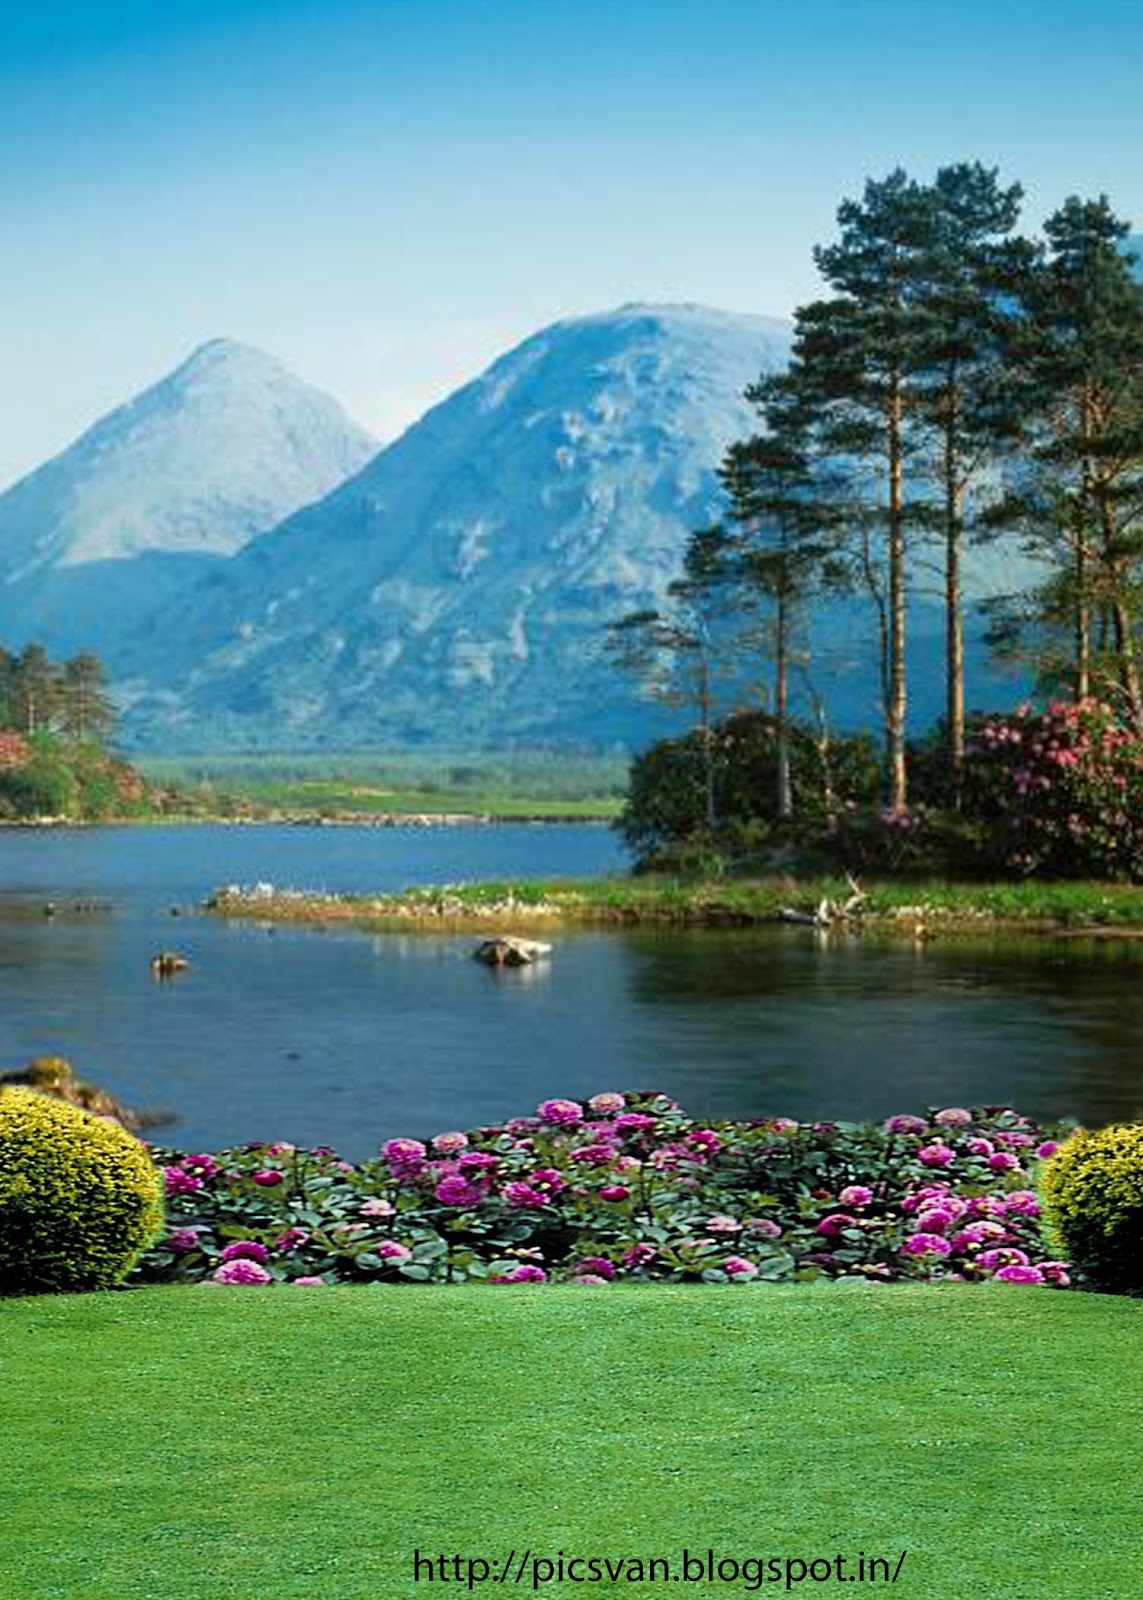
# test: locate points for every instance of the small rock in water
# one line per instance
(507, 951)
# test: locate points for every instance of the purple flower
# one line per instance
(202, 1166)
(561, 1113)
(954, 1117)
(739, 1268)
(291, 1239)
(181, 1240)
(607, 1104)
(1048, 1148)
(523, 1274)
(1019, 1274)
(1005, 1256)
(977, 1233)
(595, 1155)
(404, 1157)
(926, 1244)
(593, 1279)
(936, 1155)
(179, 1182)
(633, 1122)
(615, 1191)
(906, 1124)
(705, 1139)
(638, 1256)
(447, 1144)
(1056, 1272)
(832, 1225)
(245, 1250)
(523, 1197)
(519, 1126)
(980, 1147)
(309, 1283)
(763, 1226)
(268, 1177)
(1002, 1161)
(1022, 1203)
(458, 1192)
(855, 1194)
(478, 1161)
(241, 1271)
(935, 1220)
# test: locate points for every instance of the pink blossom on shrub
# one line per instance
(182, 1240)
(519, 1127)
(721, 1223)
(634, 1122)
(977, 1233)
(1005, 1256)
(764, 1227)
(268, 1177)
(458, 1192)
(1022, 1203)
(705, 1139)
(639, 1255)
(935, 1220)
(784, 1125)
(594, 1155)
(936, 1155)
(547, 1179)
(591, 1280)
(1019, 1274)
(1047, 1149)
(478, 1161)
(281, 1148)
(906, 1124)
(926, 1244)
(241, 1272)
(1003, 1161)
(447, 1144)
(523, 1197)
(309, 1283)
(561, 1113)
(522, 1274)
(179, 1182)
(855, 1194)
(833, 1225)
(954, 1117)
(374, 1207)
(203, 1166)
(615, 1192)
(292, 1239)
(404, 1157)
(738, 1267)
(390, 1250)
(245, 1250)
(607, 1104)
(597, 1264)
(980, 1147)
(1056, 1272)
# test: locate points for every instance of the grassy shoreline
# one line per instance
(905, 908)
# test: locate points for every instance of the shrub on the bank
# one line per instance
(79, 1197)
(1062, 789)
(626, 1186)
(666, 809)
(1093, 1194)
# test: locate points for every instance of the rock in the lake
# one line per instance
(167, 963)
(508, 951)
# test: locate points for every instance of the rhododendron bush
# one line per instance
(624, 1186)
(1061, 790)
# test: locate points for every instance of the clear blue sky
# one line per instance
(387, 193)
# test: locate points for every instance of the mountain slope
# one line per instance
(457, 587)
(219, 450)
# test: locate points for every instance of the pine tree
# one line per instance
(35, 690)
(86, 711)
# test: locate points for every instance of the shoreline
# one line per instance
(364, 819)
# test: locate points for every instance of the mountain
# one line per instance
(457, 588)
(163, 487)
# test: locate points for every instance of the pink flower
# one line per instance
(377, 1208)
(936, 1155)
(523, 1274)
(615, 1192)
(241, 1271)
(905, 1124)
(638, 1256)
(633, 1122)
(203, 1166)
(926, 1244)
(722, 1224)
(1019, 1274)
(1014, 1141)
(954, 1117)
(458, 1192)
(447, 1144)
(977, 1233)
(932, 1194)
(478, 1161)
(291, 1239)
(404, 1157)
(179, 1182)
(739, 1268)
(1056, 1272)
(1022, 1203)
(764, 1227)
(594, 1279)
(705, 1139)
(935, 1220)
(607, 1104)
(245, 1250)
(548, 1180)
(783, 1125)
(855, 1194)
(561, 1113)
(181, 1240)
(597, 1264)
(268, 1177)
(595, 1155)
(833, 1225)
(980, 1147)
(1047, 1149)
(1005, 1256)
(1003, 1161)
(523, 1197)
(390, 1250)
(281, 1148)
(309, 1283)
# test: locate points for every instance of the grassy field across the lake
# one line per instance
(905, 907)
(291, 1444)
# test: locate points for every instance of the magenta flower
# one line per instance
(936, 1155)
(523, 1197)
(977, 1233)
(404, 1157)
(722, 1224)
(458, 1192)
(932, 1194)
(245, 1250)
(268, 1177)
(203, 1166)
(592, 1279)
(980, 1147)
(1022, 1203)
(1056, 1272)
(926, 1244)
(561, 1113)
(1015, 1141)
(181, 1240)
(291, 1239)
(764, 1227)
(519, 1126)
(905, 1124)
(638, 1256)
(179, 1182)
(547, 1179)
(241, 1271)
(523, 1274)
(281, 1148)
(954, 1117)
(935, 1220)
(705, 1139)
(615, 1192)
(597, 1264)
(478, 1161)
(855, 1194)
(739, 1268)
(607, 1104)
(783, 1125)
(1005, 1256)
(634, 1122)
(1019, 1274)
(1003, 1161)
(309, 1283)
(594, 1155)
(390, 1250)
(833, 1225)
(447, 1144)
(1048, 1148)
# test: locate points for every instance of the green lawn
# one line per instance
(244, 1444)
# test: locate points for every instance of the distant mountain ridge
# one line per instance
(216, 452)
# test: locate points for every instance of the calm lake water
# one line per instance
(345, 1039)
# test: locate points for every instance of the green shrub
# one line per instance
(80, 1199)
(1093, 1201)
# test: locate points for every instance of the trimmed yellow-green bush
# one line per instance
(80, 1199)
(1093, 1201)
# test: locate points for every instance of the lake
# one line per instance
(344, 1038)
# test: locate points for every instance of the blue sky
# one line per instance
(387, 193)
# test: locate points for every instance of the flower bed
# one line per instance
(624, 1187)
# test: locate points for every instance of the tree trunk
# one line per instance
(954, 617)
(896, 710)
(781, 708)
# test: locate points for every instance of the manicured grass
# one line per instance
(345, 798)
(285, 1444)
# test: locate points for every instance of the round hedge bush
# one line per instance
(1093, 1200)
(80, 1199)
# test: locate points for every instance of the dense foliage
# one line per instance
(79, 1197)
(1093, 1192)
(626, 1186)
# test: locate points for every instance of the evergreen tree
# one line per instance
(86, 711)
(35, 690)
